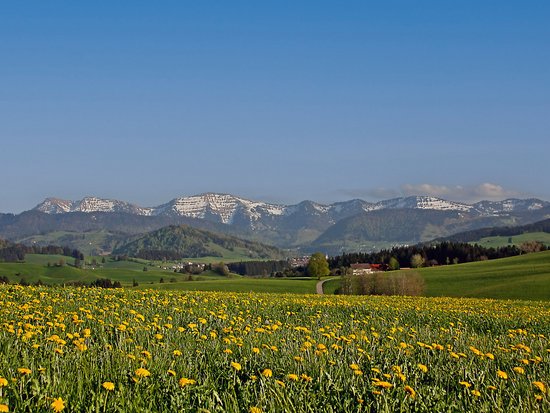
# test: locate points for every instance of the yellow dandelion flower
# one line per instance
(519, 370)
(383, 384)
(422, 368)
(410, 391)
(358, 372)
(502, 374)
(476, 393)
(465, 384)
(171, 373)
(176, 353)
(108, 386)
(280, 383)
(540, 385)
(254, 409)
(256, 350)
(57, 405)
(185, 381)
(493, 388)
(4, 408)
(293, 377)
(267, 373)
(228, 351)
(305, 377)
(3, 382)
(354, 366)
(24, 371)
(236, 365)
(141, 372)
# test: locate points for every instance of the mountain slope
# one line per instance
(302, 225)
(187, 242)
(507, 231)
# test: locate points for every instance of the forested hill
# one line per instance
(176, 242)
(476, 235)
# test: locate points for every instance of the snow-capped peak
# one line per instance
(230, 209)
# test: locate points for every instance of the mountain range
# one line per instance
(308, 225)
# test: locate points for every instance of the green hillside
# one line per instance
(517, 240)
(244, 284)
(35, 268)
(184, 241)
(525, 277)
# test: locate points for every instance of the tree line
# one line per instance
(443, 253)
(17, 252)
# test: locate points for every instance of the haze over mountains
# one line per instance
(348, 225)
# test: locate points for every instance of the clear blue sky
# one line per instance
(281, 101)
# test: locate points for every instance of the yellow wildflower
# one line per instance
(383, 384)
(185, 381)
(476, 393)
(58, 405)
(254, 409)
(141, 372)
(236, 365)
(410, 391)
(108, 386)
(4, 408)
(3, 382)
(267, 373)
(176, 353)
(293, 377)
(502, 374)
(422, 368)
(519, 370)
(540, 385)
(24, 370)
(171, 373)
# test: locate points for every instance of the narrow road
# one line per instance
(319, 285)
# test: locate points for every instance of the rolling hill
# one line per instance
(175, 242)
(507, 231)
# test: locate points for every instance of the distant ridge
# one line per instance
(99, 225)
(225, 208)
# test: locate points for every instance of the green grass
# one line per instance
(125, 350)
(517, 240)
(35, 269)
(331, 286)
(271, 285)
(525, 277)
(88, 242)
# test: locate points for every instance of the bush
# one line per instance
(379, 283)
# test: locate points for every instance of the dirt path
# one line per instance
(319, 285)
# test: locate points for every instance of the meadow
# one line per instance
(517, 240)
(97, 350)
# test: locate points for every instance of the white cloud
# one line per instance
(484, 191)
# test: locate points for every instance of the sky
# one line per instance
(279, 101)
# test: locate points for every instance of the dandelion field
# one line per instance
(95, 350)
